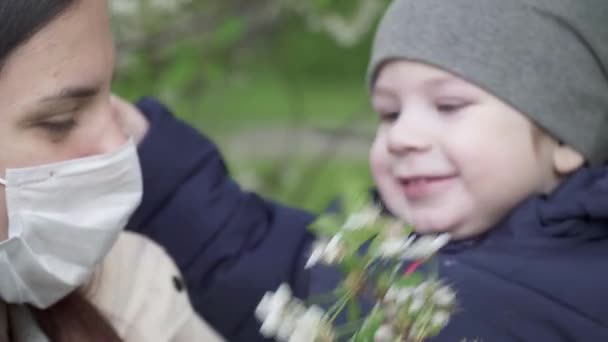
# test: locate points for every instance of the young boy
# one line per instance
(494, 128)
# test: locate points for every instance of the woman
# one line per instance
(69, 181)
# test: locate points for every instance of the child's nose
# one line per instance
(406, 136)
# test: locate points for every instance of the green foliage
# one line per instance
(326, 225)
(300, 182)
(370, 326)
(412, 280)
(230, 31)
(226, 73)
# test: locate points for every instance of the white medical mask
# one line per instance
(63, 218)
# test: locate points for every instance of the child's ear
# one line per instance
(566, 160)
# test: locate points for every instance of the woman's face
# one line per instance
(55, 94)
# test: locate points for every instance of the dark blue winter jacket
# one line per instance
(541, 274)
(537, 276)
(231, 246)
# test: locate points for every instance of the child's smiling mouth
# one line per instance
(422, 186)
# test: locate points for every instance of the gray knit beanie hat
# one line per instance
(546, 58)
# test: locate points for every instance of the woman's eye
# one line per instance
(58, 127)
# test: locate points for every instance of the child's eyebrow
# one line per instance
(435, 83)
(443, 82)
(381, 91)
(453, 83)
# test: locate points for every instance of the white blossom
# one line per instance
(290, 318)
(444, 296)
(390, 310)
(426, 293)
(391, 294)
(271, 309)
(394, 246)
(349, 31)
(361, 219)
(417, 304)
(318, 249)
(329, 252)
(419, 296)
(287, 319)
(308, 325)
(123, 7)
(398, 294)
(384, 334)
(132, 7)
(425, 247)
(422, 288)
(440, 319)
(333, 250)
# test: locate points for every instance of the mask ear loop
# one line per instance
(2, 182)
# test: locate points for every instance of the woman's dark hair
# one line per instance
(74, 318)
(21, 19)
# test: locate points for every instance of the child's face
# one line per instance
(450, 157)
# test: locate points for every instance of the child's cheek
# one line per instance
(385, 182)
(378, 156)
(3, 216)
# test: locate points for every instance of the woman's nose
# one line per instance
(111, 137)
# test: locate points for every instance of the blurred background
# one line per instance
(279, 85)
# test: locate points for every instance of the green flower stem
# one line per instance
(338, 307)
(348, 328)
(321, 298)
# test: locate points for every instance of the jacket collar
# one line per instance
(577, 210)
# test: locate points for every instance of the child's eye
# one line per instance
(389, 117)
(451, 106)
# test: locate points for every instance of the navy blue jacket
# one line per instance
(231, 246)
(540, 275)
(537, 276)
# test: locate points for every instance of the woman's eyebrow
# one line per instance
(70, 93)
(52, 105)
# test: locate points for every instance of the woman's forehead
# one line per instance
(73, 51)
